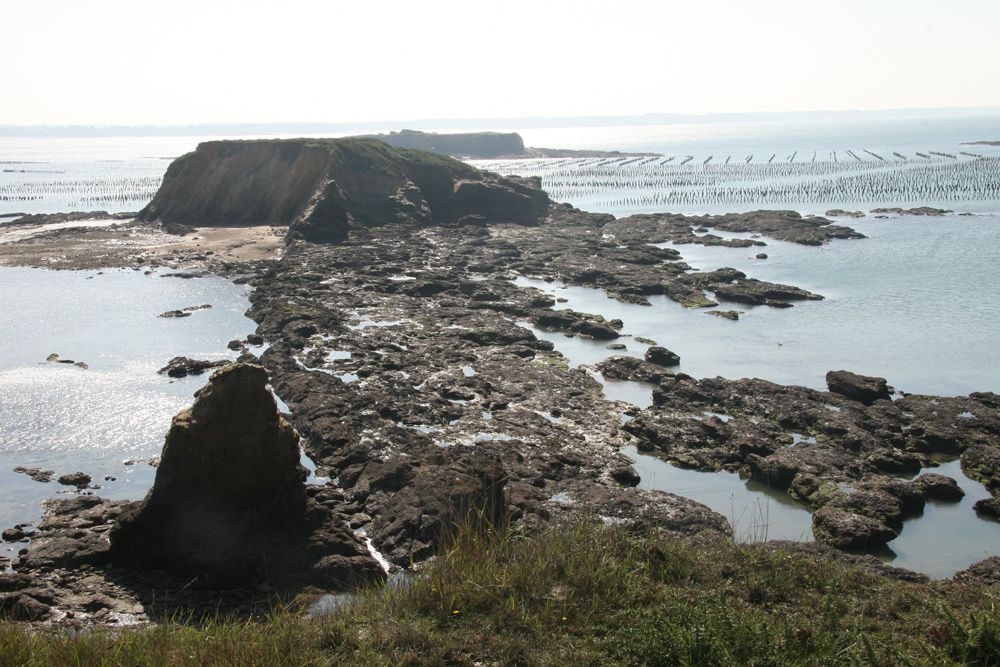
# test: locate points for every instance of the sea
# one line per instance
(916, 302)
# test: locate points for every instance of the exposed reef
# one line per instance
(402, 370)
(408, 357)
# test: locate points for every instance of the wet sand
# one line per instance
(102, 243)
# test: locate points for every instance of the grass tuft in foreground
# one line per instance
(584, 594)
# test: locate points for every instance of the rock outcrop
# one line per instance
(322, 188)
(229, 499)
(179, 367)
(862, 388)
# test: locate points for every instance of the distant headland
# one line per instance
(485, 145)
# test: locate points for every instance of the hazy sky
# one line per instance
(181, 61)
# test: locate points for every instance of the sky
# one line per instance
(138, 62)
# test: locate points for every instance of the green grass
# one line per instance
(579, 595)
(555, 360)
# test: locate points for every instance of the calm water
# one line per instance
(917, 303)
(68, 419)
(934, 131)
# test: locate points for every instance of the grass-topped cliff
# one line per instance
(322, 188)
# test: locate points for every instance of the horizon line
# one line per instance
(509, 121)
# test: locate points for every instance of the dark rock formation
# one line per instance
(78, 479)
(229, 500)
(36, 474)
(939, 487)
(849, 530)
(988, 507)
(15, 534)
(179, 367)
(463, 144)
(862, 388)
(661, 356)
(323, 188)
(841, 213)
(584, 324)
(631, 368)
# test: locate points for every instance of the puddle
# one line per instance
(491, 437)
(563, 499)
(365, 322)
(329, 604)
(799, 438)
(947, 537)
(306, 462)
(638, 394)
(755, 511)
(422, 428)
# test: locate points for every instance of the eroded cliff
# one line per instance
(322, 188)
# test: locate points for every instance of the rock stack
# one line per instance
(229, 500)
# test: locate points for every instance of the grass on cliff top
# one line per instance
(580, 595)
(369, 152)
(373, 151)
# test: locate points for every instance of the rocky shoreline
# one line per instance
(406, 355)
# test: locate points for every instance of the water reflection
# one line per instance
(756, 512)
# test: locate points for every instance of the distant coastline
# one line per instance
(355, 127)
